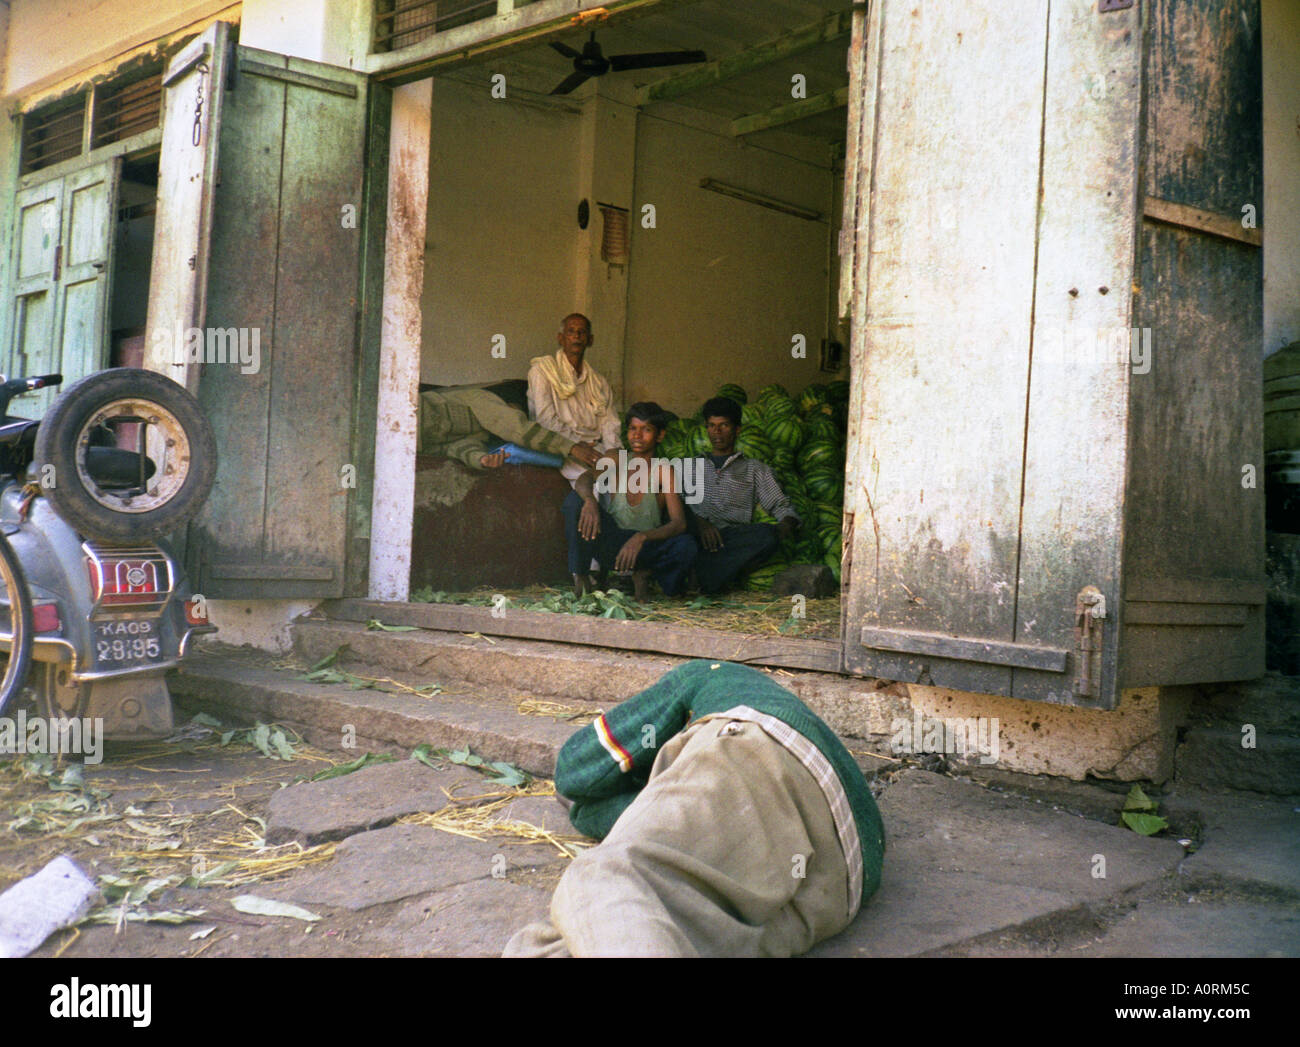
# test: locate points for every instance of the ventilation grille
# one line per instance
(126, 110)
(53, 134)
(400, 23)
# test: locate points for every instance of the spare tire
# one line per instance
(165, 424)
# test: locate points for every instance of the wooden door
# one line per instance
(63, 262)
(289, 227)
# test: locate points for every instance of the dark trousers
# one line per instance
(744, 546)
(669, 560)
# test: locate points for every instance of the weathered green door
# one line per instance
(283, 286)
(62, 261)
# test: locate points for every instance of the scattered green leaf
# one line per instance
(1145, 824)
(256, 906)
(375, 623)
(339, 770)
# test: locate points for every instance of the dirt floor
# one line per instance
(173, 832)
(750, 613)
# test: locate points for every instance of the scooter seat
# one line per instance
(115, 467)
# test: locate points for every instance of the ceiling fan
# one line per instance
(591, 62)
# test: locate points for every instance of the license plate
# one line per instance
(127, 643)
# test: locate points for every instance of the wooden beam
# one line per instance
(499, 34)
(751, 58)
(685, 641)
(1200, 221)
(788, 114)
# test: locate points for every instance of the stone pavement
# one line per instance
(969, 871)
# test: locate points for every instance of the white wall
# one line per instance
(502, 243)
(719, 287)
(333, 31)
(50, 40)
(1281, 38)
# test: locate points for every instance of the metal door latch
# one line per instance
(1089, 612)
(1113, 5)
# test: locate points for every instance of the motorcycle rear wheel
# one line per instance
(176, 436)
(13, 590)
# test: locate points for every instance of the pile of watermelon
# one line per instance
(803, 439)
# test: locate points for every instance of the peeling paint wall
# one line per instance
(1281, 39)
(399, 364)
(720, 286)
(501, 251)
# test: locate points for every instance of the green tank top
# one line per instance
(644, 516)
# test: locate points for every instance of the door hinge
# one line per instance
(1089, 613)
(1113, 5)
(58, 261)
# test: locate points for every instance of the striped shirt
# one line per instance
(730, 493)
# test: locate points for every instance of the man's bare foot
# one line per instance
(641, 586)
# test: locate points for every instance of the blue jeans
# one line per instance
(669, 560)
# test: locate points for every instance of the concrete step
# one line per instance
(250, 686)
(1215, 758)
(575, 673)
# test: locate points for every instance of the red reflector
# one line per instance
(196, 613)
(45, 618)
(124, 581)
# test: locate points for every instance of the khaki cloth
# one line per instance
(465, 423)
(705, 861)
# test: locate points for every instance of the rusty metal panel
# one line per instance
(942, 338)
(287, 256)
(1081, 367)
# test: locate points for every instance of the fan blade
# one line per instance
(573, 80)
(566, 50)
(652, 59)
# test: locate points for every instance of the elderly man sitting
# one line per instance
(569, 397)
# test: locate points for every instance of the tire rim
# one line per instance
(165, 444)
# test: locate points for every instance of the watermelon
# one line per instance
(751, 414)
(791, 484)
(784, 432)
(733, 392)
(832, 560)
(770, 392)
(775, 407)
(830, 514)
(837, 392)
(752, 443)
(813, 396)
(782, 457)
(824, 485)
(761, 579)
(699, 441)
(821, 428)
(819, 454)
(761, 515)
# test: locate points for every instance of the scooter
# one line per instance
(122, 458)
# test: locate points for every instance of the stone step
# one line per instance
(249, 686)
(579, 674)
(1215, 758)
